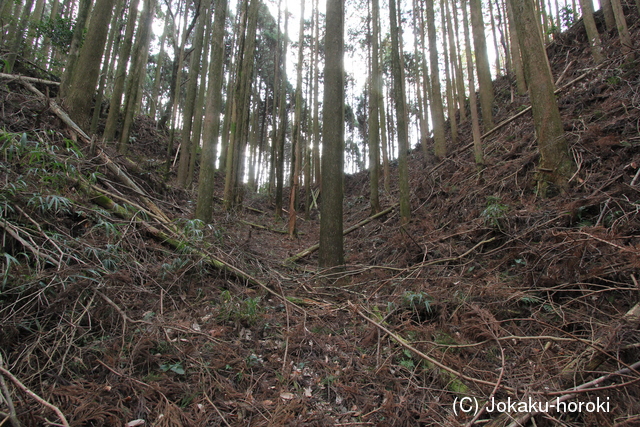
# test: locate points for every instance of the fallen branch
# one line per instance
(110, 165)
(570, 393)
(273, 230)
(23, 79)
(11, 416)
(174, 240)
(13, 231)
(315, 247)
(40, 400)
(429, 359)
(455, 258)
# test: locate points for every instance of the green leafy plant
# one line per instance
(108, 227)
(192, 229)
(59, 30)
(417, 301)
(9, 260)
(173, 367)
(407, 361)
(567, 15)
(495, 212)
(175, 265)
(51, 203)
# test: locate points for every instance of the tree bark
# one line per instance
(592, 30)
(516, 57)
(475, 120)
(556, 163)
(437, 109)
(186, 146)
(82, 84)
(623, 30)
(204, 205)
(120, 76)
(282, 125)
(109, 58)
(331, 252)
(609, 18)
(483, 68)
(374, 115)
(137, 71)
(240, 113)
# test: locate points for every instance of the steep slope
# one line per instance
(112, 314)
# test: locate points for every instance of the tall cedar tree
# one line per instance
(475, 121)
(276, 105)
(187, 145)
(296, 149)
(240, 113)
(483, 68)
(401, 116)
(556, 163)
(138, 68)
(437, 109)
(82, 84)
(282, 125)
(374, 117)
(84, 8)
(331, 252)
(592, 30)
(204, 206)
(120, 76)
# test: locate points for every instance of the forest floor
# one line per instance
(491, 292)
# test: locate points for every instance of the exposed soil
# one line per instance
(505, 294)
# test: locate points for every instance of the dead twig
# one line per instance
(34, 396)
(11, 416)
(429, 359)
(14, 232)
(23, 79)
(315, 247)
(217, 410)
(589, 386)
(455, 258)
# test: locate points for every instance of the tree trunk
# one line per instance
(317, 173)
(401, 116)
(17, 43)
(374, 115)
(451, 110)
(241, 102)
(482, 64)
(78, 34)
(609, 18)
(187, 145)
(516, 57)
(82, 84)
(174, 96)
(138, 68)
(623, 30)
(204, 206)
(109, 55)
(282, 126)
(296, 148)
(120, 76)
(199, 106)
(155, 91)
(495, 38)
(475, 120)
(437, 109)
(331, 252)
(556, 163)
(592, 30)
